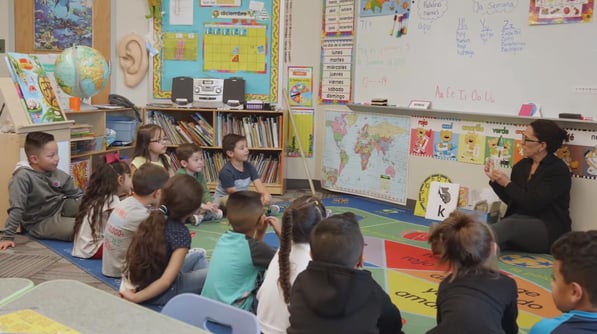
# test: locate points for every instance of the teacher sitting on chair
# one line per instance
(537, 192)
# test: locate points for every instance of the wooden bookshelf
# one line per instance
(265, 131)
(91, 148)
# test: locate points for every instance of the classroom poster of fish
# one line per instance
(60, 24)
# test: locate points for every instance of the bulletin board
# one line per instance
(478, 56)
(222, 39)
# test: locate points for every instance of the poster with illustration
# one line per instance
(500, 143)
(40, 100)
(304, 121)
(560, 11)
(471, 145)
(500, 150)
(421, 136)
(61, 24)
(580, 153)
(300, 86)
(445, 140)
(574, 157)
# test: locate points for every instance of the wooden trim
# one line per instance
(24, 14)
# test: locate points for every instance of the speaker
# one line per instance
(182, 90)
(234, 90)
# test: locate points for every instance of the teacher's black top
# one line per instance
(545, 194)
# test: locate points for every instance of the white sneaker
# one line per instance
(272, 210)
(328, 213)
(219, 214)
(197, 219)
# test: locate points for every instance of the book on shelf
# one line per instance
(275, 132)
(260, 131)
(35, 88)
(81, 130)
(184, 134)
(179, 132)
(203, 124)
(80, 169)
(175, 162)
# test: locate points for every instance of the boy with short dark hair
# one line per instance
(238, 173)
(191, 160)
(332, 295)
(43, 199)
(128, 214)
(573, 286)
(241, 257)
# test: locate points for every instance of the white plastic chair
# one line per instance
(197, 310)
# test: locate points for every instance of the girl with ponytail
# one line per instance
(292, 258)
(159, 265)
(474, 297)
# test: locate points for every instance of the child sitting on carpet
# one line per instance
(240, 256)
(128, 214)
(191, 159)
(573, 285)
(106, 184)
(475, 297)
(150, 146)
(331, 295)
(238, 173)
(298, 220)
(159, 265)
(42, 198)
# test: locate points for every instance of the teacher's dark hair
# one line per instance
(550, 133)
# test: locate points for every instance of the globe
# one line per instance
(81, 71)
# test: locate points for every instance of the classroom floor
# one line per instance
(32, 260)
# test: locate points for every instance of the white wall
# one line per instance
(127, 17)
(306, 50)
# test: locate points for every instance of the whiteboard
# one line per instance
(477, 56)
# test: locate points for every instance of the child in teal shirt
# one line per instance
(241, 257)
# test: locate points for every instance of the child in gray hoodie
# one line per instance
(43, 199)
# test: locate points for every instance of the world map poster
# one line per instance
(366, 154)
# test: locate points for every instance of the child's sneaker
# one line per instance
(218, 214)
(328, 213)
(197, 219)
(272, 210)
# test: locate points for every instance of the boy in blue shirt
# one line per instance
(238, 173)
(240, 256)
(573, 287)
